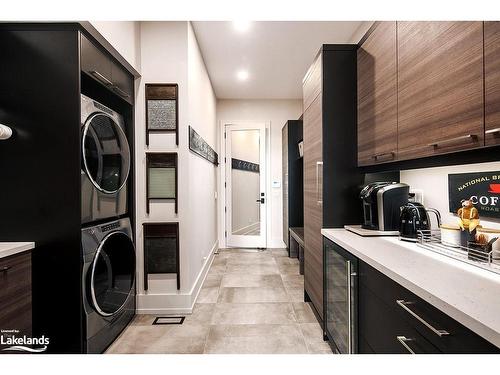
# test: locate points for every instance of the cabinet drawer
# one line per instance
(15, 292)
(312, 82)
(384, 331)
(445, 333)
(95, 63)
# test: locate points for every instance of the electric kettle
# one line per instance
(414, 218)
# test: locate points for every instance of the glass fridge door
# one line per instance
(340, 297)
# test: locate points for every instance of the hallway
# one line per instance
(251, 303)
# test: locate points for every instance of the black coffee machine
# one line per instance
(382, 202)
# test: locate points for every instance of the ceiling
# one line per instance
(275, 54)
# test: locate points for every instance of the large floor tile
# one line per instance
(208, 295)
(303, 312)
(202, 313)
(255, 339)
(212, 280)
(253, 269)
(313, 336)
(288, 269)
(252, 295)
(293, 281)
(247, 280)
(253, 313)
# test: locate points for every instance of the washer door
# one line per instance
(105, 153)
(112, 273)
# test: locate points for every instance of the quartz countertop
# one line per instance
(12, 248)
(468, 294)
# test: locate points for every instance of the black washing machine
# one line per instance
(105, 162)
(108, 282)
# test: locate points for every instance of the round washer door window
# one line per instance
(112, 273)
(106, 154)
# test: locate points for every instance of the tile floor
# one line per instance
(251, 303)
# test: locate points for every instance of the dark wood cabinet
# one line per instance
(331, 176)
(492, 82)
(377, 96)
(15, 293)
(440, 87)
(313, 212)
(394, 320)
(101, 67)
(292, 177)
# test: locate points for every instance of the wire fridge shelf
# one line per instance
(476, 256)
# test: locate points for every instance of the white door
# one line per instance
(245, 185)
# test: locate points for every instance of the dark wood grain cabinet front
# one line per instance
(15, 293)
(101, 67)
(377, 96)
(313, 210)
(440, 87)
(492, 82)
(95, 63)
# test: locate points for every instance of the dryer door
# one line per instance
(112, 273)
(105, 153)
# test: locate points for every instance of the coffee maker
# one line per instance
(382, 202)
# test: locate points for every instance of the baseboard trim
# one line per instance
(179, 303)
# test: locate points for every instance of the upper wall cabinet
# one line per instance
(103, 69)
(440, 87)
(492, 82)
(377, 96)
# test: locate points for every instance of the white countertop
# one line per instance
(12, 248)
(466, 293)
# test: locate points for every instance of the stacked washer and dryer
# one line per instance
(108, 252)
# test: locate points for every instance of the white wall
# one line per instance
(276, 112)
(201, 189)
(434, 183)
(125, 37)
(169, 54)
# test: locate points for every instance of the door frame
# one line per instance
(222, 217)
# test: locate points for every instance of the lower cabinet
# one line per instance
(15, 293)
(392, 320)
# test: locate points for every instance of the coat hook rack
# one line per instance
(5, 132)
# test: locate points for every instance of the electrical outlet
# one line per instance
(419, 195)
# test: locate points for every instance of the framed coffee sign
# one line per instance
(482, 188)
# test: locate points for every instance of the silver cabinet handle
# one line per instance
(349, 319)
(404, 304)
(404, 341)
(492, 131)
(384, 156)
(4, 269)
(468, 137)
(5, 132)
(101, 78)
(319, 187)
(120, 92)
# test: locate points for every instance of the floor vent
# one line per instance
(168, 320)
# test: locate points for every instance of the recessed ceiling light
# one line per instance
(241, 26)
(242, 75)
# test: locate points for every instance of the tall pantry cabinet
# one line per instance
(331, 177)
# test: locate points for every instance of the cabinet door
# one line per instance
(15, 293)
(95, 63)
(492, 82)
(123, 82)
(440, 87)
(313, 210)
(377, 96)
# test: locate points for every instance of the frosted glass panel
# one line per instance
(245, 182)
(162, 183)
